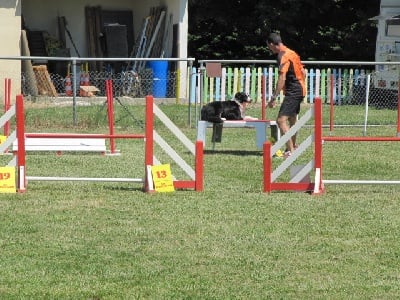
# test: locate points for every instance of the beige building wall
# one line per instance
(10, 32)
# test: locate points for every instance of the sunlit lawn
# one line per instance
(81, 240)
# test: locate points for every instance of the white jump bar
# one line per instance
(40, 178)
(361, 181)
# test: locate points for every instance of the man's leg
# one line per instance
(284, 127)
(292, 121)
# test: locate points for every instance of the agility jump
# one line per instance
(149, 136)
(297, 182)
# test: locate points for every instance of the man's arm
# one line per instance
(279, 87)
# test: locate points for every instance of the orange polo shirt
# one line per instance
(290, 64)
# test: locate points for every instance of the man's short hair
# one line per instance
(274, 38)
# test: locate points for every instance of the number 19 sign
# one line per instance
(162, 178)
(7, 180)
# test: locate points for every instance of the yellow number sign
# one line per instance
(7, 180)
(162, 178)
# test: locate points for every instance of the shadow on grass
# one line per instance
(62, 186)
(120, 188)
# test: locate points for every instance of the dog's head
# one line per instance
(242, 97)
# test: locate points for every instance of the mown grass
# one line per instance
(112, 241)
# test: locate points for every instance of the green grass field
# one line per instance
(80, 240)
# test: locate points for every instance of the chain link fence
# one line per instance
(367, 100)
(381, 91)
(373, 95)
(126, 83)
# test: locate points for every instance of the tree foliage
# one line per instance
(317, 30)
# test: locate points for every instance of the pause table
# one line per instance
(260, 127)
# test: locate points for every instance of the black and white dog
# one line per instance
(218, 111)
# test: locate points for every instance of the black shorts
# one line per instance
(290, 106)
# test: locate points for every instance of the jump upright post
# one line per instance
(110, 112)
(18, 159)
(7, 103)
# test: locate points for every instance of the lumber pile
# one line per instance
(153, 39)
(44, 84)
(94, 29)
(27, 67)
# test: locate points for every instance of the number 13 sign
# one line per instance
(7, 180)
(162, 178)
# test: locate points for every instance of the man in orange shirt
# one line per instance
(291, 81)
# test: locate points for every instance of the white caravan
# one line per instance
(388, 44)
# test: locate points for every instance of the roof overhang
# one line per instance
(384, 17)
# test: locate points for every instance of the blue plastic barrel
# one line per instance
(160, 71)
